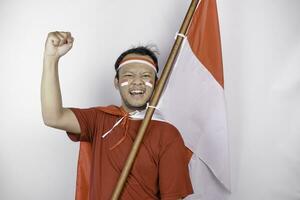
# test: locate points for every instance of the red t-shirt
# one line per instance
(160, 170)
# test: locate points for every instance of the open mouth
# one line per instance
(137, 92)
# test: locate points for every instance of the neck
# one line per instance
(130, 109)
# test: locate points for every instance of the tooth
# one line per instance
(137, 92)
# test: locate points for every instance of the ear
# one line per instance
(156, 82)
(116, 83)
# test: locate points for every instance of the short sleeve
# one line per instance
(87, 120)
(174, 179)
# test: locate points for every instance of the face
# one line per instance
(135, 84)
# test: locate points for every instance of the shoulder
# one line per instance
(165, 131)
(164, 126)
(105, 110)
(95, 112)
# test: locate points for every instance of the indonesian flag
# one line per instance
(193, 101)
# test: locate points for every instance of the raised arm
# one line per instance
(54, 114)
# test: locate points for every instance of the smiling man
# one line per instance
(161, 167)
(135, 78)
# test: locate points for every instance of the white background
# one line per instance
(261, 54)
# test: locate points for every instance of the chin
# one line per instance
(136, 106)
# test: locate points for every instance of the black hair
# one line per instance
(139, 50)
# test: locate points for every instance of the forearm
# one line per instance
(51, 100)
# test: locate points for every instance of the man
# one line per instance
(161, 167)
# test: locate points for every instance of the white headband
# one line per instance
(138, 61)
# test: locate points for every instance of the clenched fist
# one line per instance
(58, 44)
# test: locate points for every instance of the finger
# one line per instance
(63, 39)
(59, 35)
(55, 41)
(53, 38)
(64, 34)
(67, 35)
(70, 40)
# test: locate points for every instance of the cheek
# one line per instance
(123, 86)
(149, 80)
(124, 92)
(149, 84)
(124, 83)
(149, 88)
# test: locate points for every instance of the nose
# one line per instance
(137, 81)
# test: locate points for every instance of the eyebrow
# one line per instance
(133, 72)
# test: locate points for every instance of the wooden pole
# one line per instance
(154, 100)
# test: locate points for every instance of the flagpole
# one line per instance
(154, 100)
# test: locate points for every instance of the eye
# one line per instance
(127, 75)
(146, 76)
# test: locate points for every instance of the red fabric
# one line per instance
(204, 38)
(159, 172)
